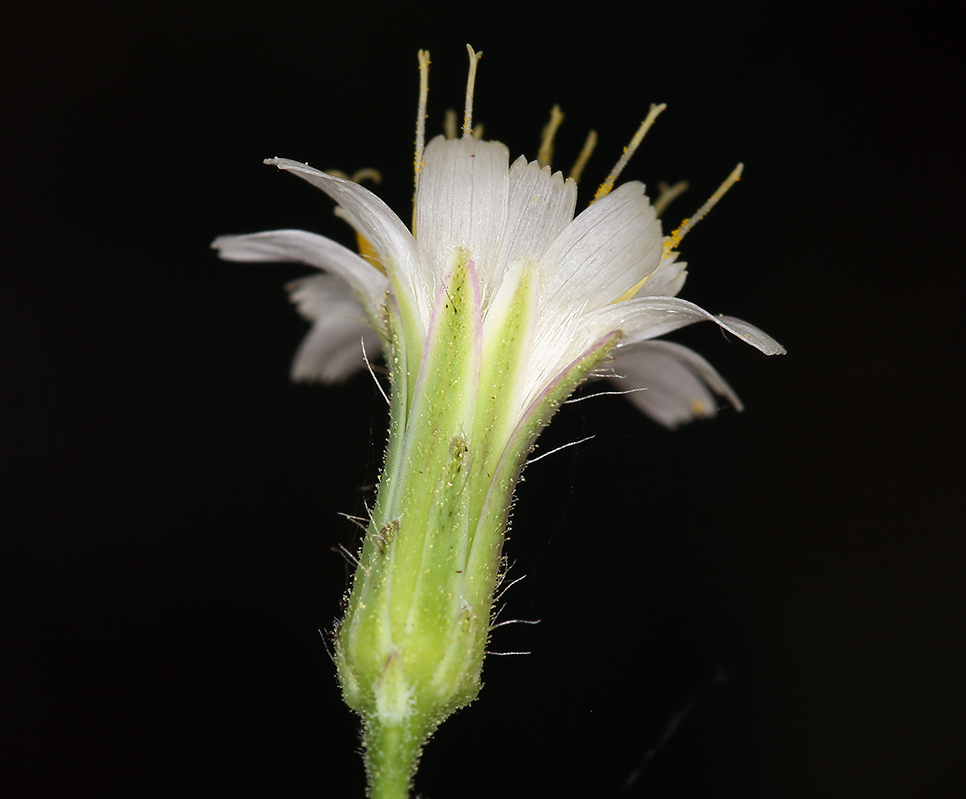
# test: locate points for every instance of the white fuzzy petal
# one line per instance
(369, 215)
(308, 248)
(645, 318)
(461, 202)
(541, 206)
(606, 251)
(332, 350)
(676, 382)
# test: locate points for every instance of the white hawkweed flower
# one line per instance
(490, 312)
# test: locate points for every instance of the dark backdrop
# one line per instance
(786, 582)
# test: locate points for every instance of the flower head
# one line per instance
(610, 269)
(490, 311)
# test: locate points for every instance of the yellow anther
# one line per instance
(545, 153)
(470, 85)
(578, 168)
(607, 186)
(671, 242)
(366, 251)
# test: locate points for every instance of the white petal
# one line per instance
(541, 206)
(461, 202)
(606, 251)
(645, 318)
(333, 348)
(675, 379)
(299, 246)
(369, 215)
(667, 280)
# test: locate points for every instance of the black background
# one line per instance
(792, 574)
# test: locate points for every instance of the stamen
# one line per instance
(671, 242)
(578, 168)
(545, 153)
(478, 131)
(421, 111)
(470, 85)
(369, 173)
(449, 124)
(668, 194)
(608, 185)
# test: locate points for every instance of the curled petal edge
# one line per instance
(645, 318)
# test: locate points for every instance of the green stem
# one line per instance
(392, 754)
